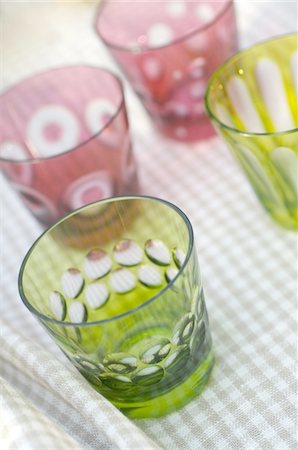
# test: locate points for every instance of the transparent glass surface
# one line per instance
(64, 140)
(168, 50)
(117, 286)
(252, 100)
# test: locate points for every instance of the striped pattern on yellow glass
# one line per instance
(252, 100)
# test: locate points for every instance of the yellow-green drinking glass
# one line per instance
(252, 102)
(117, 286)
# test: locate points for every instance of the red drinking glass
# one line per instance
(64, 140)
(168, 50)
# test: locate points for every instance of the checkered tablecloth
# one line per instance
(248, 264)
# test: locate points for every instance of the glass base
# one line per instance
(173, 399)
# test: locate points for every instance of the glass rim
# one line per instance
(150, 300)
(218, 72)
(37, 74)
(186, 35)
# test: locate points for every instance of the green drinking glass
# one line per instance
(117, 286)
(252, 102)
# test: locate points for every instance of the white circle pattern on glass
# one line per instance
(122, 281)
(72, 283)
(77, 312)
(178, 256)
(148, 375)
(205, 13)
(170, 274)
(197, 90)
(152, 68)
(175, 8)
(128, 253)
(157, 252)
(177, 74)
(58, 305)
(173, 356)
(159, 34)
(120, 362)
(196, 68)
(98, 113)
(155, 350)
(96, 295)
(64, 131)
(178, 108)
(149, 276)
(88, 365)
(116, 381)
(97, 264)
(184, 328)
(159, 354)
(89, 188)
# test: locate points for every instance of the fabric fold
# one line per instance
(24, 427)
(27, 360)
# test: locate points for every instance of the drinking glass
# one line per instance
(252, 101)
(125, 303)
(64, 140)
(168, 50)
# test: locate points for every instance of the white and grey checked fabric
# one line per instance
(248, 264)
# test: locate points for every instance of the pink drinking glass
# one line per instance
(64, 140)
(168, 50)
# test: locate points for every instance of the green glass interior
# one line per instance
(148, 349)
(258, 120)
